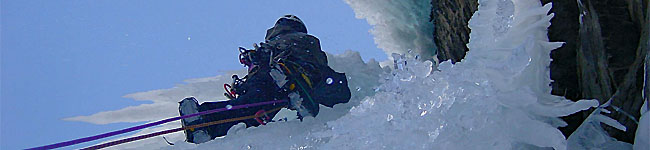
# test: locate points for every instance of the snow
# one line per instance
(497, 98)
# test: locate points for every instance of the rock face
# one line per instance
(603, 57)
(451, 33)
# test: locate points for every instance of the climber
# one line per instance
(289, 65)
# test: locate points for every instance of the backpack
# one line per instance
(299, 67)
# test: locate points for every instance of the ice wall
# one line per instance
(642, 138)
(498, 98)
(399, 25)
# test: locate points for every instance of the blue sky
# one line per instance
(69, 58)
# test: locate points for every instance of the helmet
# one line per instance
(293, 22)
(289, 17)
(286, 24)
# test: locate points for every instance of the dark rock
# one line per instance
(602, 60)
(451, 32)
(564, 28)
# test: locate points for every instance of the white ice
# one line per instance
(591, 136)
(642, 137)
(399, 26)
(496, 98)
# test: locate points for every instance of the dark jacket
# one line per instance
(303, 65)
(301, 53)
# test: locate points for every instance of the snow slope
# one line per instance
(497, 98)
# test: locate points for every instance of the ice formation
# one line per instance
(591, 135)
(399, 26)
(164, 101)
(642, 137)
(496, 98)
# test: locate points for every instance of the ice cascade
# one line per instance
(497, 98)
